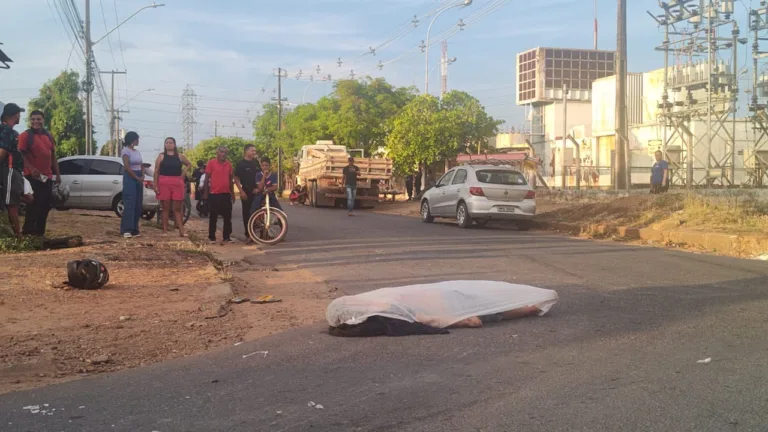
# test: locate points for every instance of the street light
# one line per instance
(89, 73)
(463, 3)
(135, 96)
(450, 61)
(152, 6)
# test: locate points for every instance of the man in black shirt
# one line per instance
(350, 174)
(245, 179)
(11, 165)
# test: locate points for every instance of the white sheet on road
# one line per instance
(439, 304)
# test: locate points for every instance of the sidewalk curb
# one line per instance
(739, 245)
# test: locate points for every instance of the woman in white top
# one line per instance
(133, 186)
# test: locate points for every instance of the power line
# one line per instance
(106, 29)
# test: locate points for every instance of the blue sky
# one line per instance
(228, 49)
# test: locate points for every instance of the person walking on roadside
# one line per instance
(219, 192)
(417, 183)
(245, 179)
(40, 166)
(659, 174)
(169, 184)
(409, 186)
(133, 186)
(349, 179)
(11, 165)
(197, 175)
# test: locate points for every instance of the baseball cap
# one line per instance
(11, 109)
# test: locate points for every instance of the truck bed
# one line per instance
(332, 167)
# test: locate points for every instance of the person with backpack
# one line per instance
(11, 165)
(40, 166)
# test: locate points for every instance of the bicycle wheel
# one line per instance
(268, 235)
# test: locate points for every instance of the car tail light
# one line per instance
(476, 191)
(148, 184)
(530, 195)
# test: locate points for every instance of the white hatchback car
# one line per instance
(96, 183)
(479, 194)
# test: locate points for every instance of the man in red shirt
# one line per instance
(219, 191)
(40, 165)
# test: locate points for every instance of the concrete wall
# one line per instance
(604, 103)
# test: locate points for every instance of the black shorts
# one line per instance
(11, 187)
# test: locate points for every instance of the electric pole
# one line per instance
(88, 82)
(563, 166)
(444, 69)
(280, 77)
(622, 131)
(215, 128)
(112, 129)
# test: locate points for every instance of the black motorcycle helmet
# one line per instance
(87, 274)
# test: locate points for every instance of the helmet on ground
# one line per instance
(87, 274)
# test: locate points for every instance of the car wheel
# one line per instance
(118, 206)
(426, 215)
(481, 223)
(148, 215)
(462, 216)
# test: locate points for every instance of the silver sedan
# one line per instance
(479, 194)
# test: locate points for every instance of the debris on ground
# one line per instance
(314, 405)
(432, 308)
(239, 300)
(98, 360)
(256, 352)
(707, 360)
(266, 299)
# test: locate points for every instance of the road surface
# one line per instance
(619, 352)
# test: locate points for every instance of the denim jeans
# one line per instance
(351, 195)
(133, 201)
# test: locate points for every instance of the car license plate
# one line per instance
(505, 209)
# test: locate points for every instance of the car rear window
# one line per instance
(501, 177)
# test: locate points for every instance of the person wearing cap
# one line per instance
(11, 165)
(40, 165)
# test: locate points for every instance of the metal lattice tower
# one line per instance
(700, 88)
(188, 111)
(756, 156)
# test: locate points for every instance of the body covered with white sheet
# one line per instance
(439, 304)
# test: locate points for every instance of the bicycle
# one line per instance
(268, 225)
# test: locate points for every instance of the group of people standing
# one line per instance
(28, 170)
(169, 184)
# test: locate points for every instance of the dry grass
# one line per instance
(726, 213)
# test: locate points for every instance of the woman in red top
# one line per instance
(169, 183)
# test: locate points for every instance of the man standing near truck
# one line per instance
(350, 174)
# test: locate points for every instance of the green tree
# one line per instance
(470, 124)
(108, 149)
(265, 131)
(421, 134)
(205, 150)
(64, 116)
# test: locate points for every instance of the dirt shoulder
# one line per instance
(733, 224)
(166, 299)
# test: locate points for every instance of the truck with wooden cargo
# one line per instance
(321, 169)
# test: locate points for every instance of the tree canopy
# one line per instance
(64, 116)
(205, 150)
(430, 129)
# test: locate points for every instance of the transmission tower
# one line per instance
(756, 157)
(698, 106)
(188, 110)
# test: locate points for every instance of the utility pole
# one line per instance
(112, 129)
(596, 27)
(622, 131)
(279, 128)
(215, 128)
(565, 136)
(444, 69)
(88, 82)
(118, 144)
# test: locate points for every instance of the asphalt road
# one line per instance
(619, 351)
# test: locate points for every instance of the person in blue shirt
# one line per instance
(659, 174)
(266, 183)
